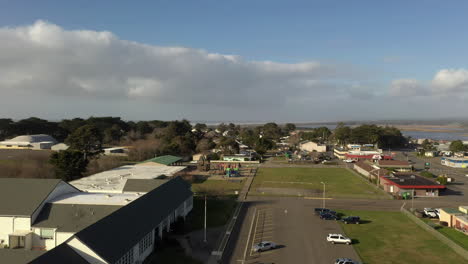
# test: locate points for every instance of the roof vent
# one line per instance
(108, 195)
(413, 177)
(128, 200)
(402, 180)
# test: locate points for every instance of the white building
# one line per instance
(113, 181)
(311, 146)
(79, 227)
(36, 142)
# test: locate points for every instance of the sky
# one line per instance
(282, 61)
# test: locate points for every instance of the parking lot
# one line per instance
(292, 225)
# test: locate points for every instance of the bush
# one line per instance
(442, 180)
(428, 174)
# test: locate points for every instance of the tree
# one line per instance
(87, 139)
(342, 133)
(200, 127)
(289, 127)
(228, 146)
(69, 164)
(457, 146)
(113, 134)
(205, 145)
(427, 145)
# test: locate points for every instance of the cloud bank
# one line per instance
(48, 71)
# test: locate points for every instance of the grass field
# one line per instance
(217, 187)
(340, 183)
(219, 212)
(457, 237)
(391, 237)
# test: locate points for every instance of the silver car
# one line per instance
(264, 245)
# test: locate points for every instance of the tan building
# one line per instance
(311, 146)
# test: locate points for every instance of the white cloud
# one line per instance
(448, 81)
(44, 58)
(407, 87)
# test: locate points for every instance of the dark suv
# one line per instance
(351, 220)
(328, 216)
(319, 211)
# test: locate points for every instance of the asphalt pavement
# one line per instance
(291, 224)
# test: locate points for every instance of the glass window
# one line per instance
(47, 233)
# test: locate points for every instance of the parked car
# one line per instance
(338, 238)
(328, 216)
(345, 261)
(351, 220)
(318, 211)
(348, 160)
(430, 212)
(264, 245)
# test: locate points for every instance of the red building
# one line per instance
(399, 183)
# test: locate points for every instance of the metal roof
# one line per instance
(21, 197)
(72, 217)
(142, 185)
(18, 256)
(60, 254)
(113, 181)
(142, 216)
(165, 160)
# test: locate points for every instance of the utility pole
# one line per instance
(323, 200)
(204, 237)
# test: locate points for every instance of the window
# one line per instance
(146, 242)
(47, 233)
(127, 258)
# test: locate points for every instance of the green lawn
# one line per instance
(219, 211)
(391, 237)
(457, 237)
(217, 187)
(170, 252)
(340, 183)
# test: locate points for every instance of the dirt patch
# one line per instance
(289, 191)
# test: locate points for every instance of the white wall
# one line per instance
(8, 225)
(61, 189)
(85, 252)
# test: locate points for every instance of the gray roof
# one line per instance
(142, 185)
(21, 197)
(72, 217)
(142, 215)
(18, 256)
(58, 255)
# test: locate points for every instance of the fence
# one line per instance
(447, 241)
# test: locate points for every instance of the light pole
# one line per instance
(378, 176)
(204, 237)
(323, 200)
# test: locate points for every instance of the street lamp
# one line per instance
(204, 235)
(378, 175)
(323, 200)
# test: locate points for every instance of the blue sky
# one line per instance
(387, 40)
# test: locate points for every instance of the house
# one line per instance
(116, 151)
(167, 160)
(79, 227)
(430, 154)
(197, 157)
(359, 152)
(454, 162)
(36, 142)
(398, 165)
(237, 157)
(401, 183)
(366, 155)
(311, 146)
